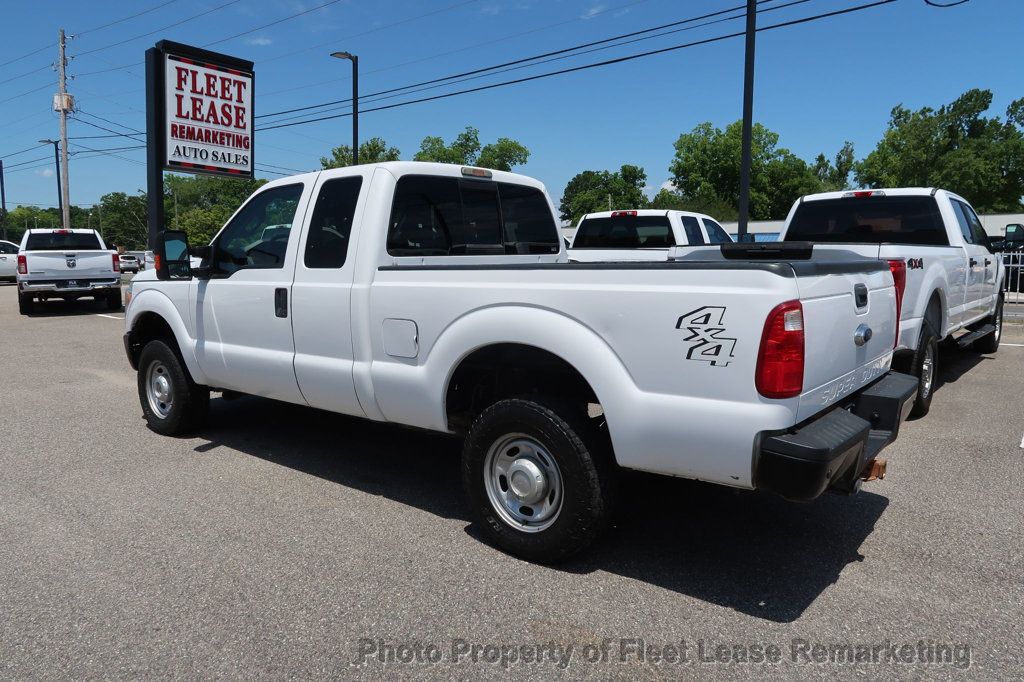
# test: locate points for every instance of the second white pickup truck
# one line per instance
(641, 235)
(441, 298)
(67, 264)
(948, 278)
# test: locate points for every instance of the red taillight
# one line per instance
(22, 265)
(156, 262)
(117, 263)
(780, 360)
(624, 214)
(898, 269)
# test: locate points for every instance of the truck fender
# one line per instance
(933, 282)
(156, 302)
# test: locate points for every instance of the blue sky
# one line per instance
(818, 84)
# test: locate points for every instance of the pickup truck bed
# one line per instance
(712, 367)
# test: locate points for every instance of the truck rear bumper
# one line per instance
(59, 288)
(833, 448)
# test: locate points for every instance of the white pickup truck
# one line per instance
(948, 278)
(440, 297)
(67, 264)
(641, 235)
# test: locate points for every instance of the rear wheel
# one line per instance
(26, 304)
(990, 342)
(540, 483)
(171, 402)
(925, 367)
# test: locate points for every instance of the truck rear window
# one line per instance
(870, 220)
(439, 216)
(625, 232)
(62, 241)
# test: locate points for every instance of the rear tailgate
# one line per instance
(849, 330)
(47, 265)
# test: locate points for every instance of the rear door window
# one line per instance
(331, 225)
(870, 220)
(62, 241)
(694, 237)
(624, 232)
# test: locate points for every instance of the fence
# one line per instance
(1013, 261)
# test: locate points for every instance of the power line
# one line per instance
(124, 19)
(48, 46)
(529, 62)
(113, 123)
(28, 92)
(159, 30)
(27, 73)
(944, 6)
(96, 125)
(24, 163)
(517, 61)
(22, 151)
(274, 23)
(584, 67)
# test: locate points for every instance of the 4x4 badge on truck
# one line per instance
(705, 326)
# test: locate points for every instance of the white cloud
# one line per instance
(490, 9)
(259, 40)
(667, 185)
(46, 172)
(594, 10)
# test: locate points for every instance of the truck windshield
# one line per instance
(62, 241)
(870, 220)
(624, 232)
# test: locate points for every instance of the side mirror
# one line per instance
(172, 257)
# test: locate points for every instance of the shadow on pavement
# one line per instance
(752, 552)
(954, 363)
(56, 307)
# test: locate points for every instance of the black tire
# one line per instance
(584, 463)
(114, 300)
(26, 304)
(924, 366)
(189, 403)
(990, 342)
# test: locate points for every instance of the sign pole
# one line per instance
(154, 148)
(748, 122)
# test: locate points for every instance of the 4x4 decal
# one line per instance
(707, 344)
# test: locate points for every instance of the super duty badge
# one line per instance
(705, 326)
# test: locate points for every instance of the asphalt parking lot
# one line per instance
(288, 542)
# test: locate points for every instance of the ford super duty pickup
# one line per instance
(67, 264)
(440, 297)
(948, 279)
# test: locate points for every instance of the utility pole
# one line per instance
(748, 119)
(63, 103)
(3, 201)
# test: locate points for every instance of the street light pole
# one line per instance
(56, 161)
(355, 102)
(748, 122)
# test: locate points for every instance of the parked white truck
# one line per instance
(641, 235)
(441, 298)
(948, 278)
(67, 264)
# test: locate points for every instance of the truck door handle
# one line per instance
(987, 262)
(973, 262)
(281, 302)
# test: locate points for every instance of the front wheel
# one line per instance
(925, 367)
(990, 342)
(540, 483)
(171, 402)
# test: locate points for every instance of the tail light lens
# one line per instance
(22, 265)
(117, 263)
(780, 360)
(898, 268)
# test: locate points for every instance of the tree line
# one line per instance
(956, 146)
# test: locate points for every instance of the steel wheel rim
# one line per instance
(927, 371)
(999, 323)
(159, 389)
(523, 482)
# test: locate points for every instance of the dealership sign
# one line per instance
(204, 106)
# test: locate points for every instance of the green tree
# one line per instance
(201, 204)
(374, 150)
(955, 147)
(707, 165)
(593, 191)
(123, 220)
(835, 175)
(465, 150)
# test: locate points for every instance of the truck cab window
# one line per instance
(529, 225)
(422, 216)
(257, 237)
(331, 226)
(716, 235)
